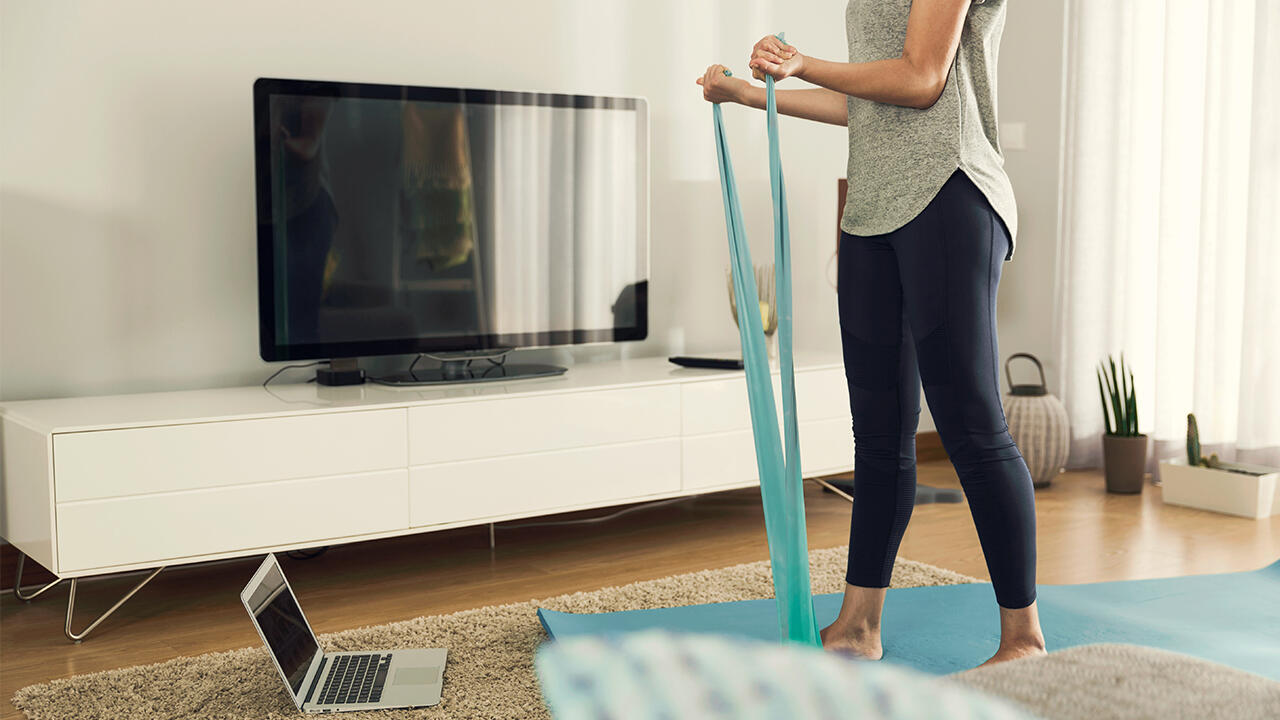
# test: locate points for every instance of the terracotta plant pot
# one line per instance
(1124, 460)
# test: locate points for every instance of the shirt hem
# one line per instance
(867, 229)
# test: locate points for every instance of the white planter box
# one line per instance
(1251, 496)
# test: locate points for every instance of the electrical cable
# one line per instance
(602, 518)
(291, 367)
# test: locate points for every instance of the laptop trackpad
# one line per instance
(416, 676)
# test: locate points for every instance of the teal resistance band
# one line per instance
(780, 481)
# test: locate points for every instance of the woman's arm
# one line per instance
(915, 79)
(818, 104)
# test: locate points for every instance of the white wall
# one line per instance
(1030, 91)
(127, 230)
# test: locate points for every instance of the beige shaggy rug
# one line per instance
(490, 669)
(1101, 682)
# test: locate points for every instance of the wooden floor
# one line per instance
(1085, 535)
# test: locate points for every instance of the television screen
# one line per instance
(413, 219)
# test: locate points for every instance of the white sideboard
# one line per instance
(98, 485)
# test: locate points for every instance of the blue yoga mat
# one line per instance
(1230, 618)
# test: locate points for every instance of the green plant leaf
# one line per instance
(1106, 382)
(1102, 395)
(1114, 389)
(1124, 394)
(1133, 404)
(1122, 397)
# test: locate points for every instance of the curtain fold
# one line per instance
(1170, 228)
(563, 216)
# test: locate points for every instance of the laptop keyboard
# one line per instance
(355, 679)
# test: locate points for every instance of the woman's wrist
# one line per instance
(806, 67)
(750, 95)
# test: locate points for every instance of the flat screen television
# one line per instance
(398, 220)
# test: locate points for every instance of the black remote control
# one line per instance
(703, 362)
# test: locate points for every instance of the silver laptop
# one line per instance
(321, 682)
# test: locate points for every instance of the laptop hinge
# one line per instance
(315, 680)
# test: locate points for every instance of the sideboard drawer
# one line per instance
(118, 463)
(489, 428)
(533, 484)
(727, 459)
(826, 446)
(718, 461)
(721, 405)
(167, 526)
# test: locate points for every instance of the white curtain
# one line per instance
(1171, 221)
(564, 216)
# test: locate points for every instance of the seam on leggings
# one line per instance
(945, 322)
(891, 556)
(991, 314)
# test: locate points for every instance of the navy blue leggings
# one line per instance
(919, 305)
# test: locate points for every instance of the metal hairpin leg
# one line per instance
(71, 607)
(833, 488)
(17, 582)
(71, 599)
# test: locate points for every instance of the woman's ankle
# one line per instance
(1023, 641)
(1020, 628)
(861, 610)
(857, 626)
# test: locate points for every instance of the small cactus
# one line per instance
(1193, 441)
(1194, 458)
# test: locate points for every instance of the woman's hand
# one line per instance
(718, 86)
(772, 56)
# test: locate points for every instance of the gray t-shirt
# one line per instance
(899, 157)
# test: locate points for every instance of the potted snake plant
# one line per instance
(1124, 448)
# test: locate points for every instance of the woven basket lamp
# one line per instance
(1038, 423)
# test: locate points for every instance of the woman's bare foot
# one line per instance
(1020, 635)
(862, 643)
(856, 631)
(1013, 652)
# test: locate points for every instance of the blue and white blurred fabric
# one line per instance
(663, 676)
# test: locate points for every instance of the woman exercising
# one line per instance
(928, 222)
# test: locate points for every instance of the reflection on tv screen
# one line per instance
(395, 219)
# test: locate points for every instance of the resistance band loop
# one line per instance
(780, 481)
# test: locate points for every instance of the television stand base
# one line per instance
(455, 372)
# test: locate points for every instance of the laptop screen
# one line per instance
(288, 636)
